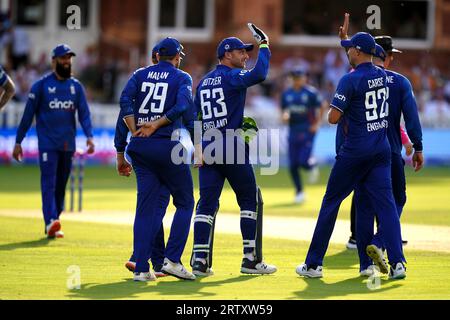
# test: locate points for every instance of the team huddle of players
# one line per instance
(159, 99)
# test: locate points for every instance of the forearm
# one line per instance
(261, 70)
(120, 136)
(130, 123)
(5, 98)
(25, 124)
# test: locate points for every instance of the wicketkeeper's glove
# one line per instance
(258, 34)
(250, 128)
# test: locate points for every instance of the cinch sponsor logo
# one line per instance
(340, 97)
(65, 105)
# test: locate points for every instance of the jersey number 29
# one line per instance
(219, 110)
(156, 92)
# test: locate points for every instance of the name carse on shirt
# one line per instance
(376, 83)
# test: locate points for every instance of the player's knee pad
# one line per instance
(204, 226)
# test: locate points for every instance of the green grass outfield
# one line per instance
(428, 193)
(34, 268)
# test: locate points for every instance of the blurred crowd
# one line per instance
(105, 78)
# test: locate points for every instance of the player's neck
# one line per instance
(58, 77)
(363, 61)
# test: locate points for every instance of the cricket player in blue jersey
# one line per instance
(400, 102)
(54, 100)
(124, 168)
(303, 109)
(220, 98)
(363, 157)
(7, 88)
(154, 101)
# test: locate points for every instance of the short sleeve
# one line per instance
(344, 92)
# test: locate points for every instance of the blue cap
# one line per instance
(299, 72)
(230, 44)
(169, 47)
(155, 48)
(62, 50)
(379, 52)
(361, 41)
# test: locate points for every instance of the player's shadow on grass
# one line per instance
(290, 204)
(25, 245)
(128, 289)
(342, 260)
(317, 289)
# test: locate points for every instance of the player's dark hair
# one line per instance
(166, 58)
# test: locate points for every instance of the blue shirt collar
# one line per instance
(166, 64)
(221, 66)
(364, 65)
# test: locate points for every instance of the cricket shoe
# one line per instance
(370, 271)
(177, 270)
(52, 228)
(158, 272)
(309, 271)
(131, 266)
(314, 175)
(254, 267)
(376, 254)
(59, 234)
(201, 269)
(351, 244)
(397, 271)
(144, 276)
(300, 198)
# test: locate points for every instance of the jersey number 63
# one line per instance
(220, 108)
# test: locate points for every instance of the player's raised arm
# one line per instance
(244, 78)
(343, 30)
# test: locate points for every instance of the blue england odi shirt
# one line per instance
(54, 103)
(361, 96)
(221, 94)
(401, 100)
(157, 91)
(302, 105)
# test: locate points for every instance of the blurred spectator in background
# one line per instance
(335, 66)
(297, 61)
(436, 111)
(20, 47)
(447, 90)
(24, 77)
